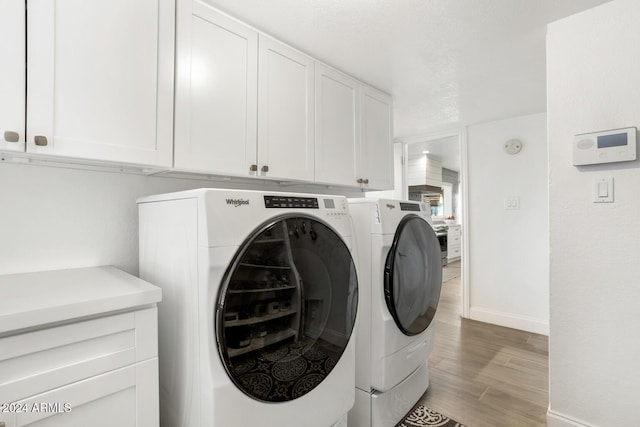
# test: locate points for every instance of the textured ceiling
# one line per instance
(447, 63)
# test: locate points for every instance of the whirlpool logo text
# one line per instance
(237, 202)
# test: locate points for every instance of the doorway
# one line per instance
(435, 172)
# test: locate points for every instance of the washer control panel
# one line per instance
(410, 207)
(616, 145)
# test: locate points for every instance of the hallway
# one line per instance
(485, 375)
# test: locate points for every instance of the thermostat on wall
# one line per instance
(617, 145)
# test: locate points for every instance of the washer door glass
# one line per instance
(413, 275)
(286, 308)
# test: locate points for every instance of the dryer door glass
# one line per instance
(286, 308)
(413, 275)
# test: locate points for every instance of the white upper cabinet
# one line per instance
(99, 87)
(100, 80)
(285, 112)
(337, 127)
(376, 156)
(12, 76)
(244, 102)
(216, 92)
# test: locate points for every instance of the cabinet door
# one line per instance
(216, 92)
(377, 140)
(100, 79)
(125, 397)
(12, 75)
(337, 136)
(285, 112)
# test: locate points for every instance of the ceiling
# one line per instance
(447, 63)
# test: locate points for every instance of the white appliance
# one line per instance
(260, 299)
(400, 277)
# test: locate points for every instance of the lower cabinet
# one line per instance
(100, 372)
(454, 243)
(114, 398)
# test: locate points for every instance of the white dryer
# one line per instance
(400, 277)
(259, 303)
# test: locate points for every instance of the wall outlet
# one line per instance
(512, 202)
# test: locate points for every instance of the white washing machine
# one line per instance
(400, 277)
(259, 303)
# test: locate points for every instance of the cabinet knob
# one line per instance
(265, 168)
(360, 180)
(366, 181)
(253, 168)
(11, 136)
(40, 140)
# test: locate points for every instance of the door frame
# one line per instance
(461, 134)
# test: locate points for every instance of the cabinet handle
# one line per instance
(366, 181)
(253, 168)
(40, 141)
(265, 168)
(11, 136)
(360, 180)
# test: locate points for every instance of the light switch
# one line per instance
(603, 190)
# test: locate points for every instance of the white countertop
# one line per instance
(36, 299)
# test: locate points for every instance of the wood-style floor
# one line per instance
(484, 375)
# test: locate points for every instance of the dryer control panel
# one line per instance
(330, 207)
(336, 208)
(290, 202)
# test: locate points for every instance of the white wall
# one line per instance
(594, 84)
(55, 218)
(508, 252)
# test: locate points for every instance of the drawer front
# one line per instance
(454, 230)
(126, 397)
(48, 358)
(454, 253)
(453, 241)
(104, 400)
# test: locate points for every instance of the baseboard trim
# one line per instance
(555, 419)
(528, 324)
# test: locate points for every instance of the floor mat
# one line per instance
(422, 416)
